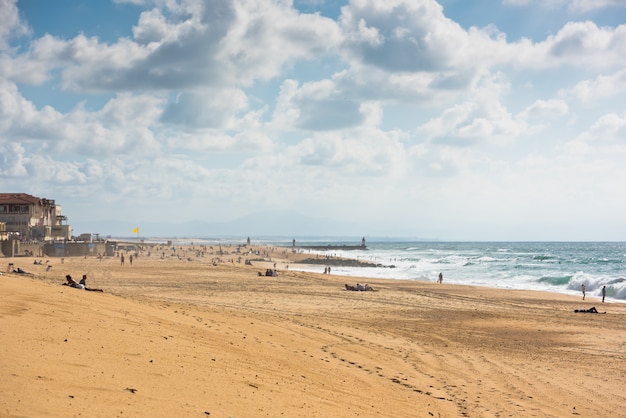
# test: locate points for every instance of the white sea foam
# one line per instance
(554, 267)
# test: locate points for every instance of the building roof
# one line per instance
(20, 199)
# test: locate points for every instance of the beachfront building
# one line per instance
(30, 217)
(3, 232)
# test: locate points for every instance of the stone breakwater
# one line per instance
(331, 247)
(339, 262)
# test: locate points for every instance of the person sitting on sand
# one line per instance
(84, 283)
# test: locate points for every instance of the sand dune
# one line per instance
(182, 337)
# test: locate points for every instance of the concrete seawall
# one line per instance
(13, 248)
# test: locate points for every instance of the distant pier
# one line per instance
(331, 247)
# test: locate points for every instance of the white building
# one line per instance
(31, 217)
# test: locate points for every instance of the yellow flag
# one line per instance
(136, 230)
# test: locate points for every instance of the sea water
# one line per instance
(548, 266)
(560, 267)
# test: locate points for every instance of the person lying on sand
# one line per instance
(82, 285)
(359, 287)
(72, 283)
(590, 310)
(20, 271)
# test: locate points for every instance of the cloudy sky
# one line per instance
(456, 119)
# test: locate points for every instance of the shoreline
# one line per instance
(187, 335)
(399, 269)
(309, 260)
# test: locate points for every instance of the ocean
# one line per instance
(560, 267)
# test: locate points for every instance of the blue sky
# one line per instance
(482, 120)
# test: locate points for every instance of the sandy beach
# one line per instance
(187, 335)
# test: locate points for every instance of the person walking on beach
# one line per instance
(582, 287)
(440, 280)
(603, 293)
(122, 259)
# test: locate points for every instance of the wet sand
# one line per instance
(182, 337)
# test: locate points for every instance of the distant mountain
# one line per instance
(269, 224)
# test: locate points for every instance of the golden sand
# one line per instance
(181, 337)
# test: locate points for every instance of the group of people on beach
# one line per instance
(130, 259)
(360, 287)
(584, 290)
(79, 285)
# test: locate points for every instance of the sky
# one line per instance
(453, 120)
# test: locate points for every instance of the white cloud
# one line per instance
(545, 109)
(366, 152)
(583, 44)
(517, 2)
(591, 5)
(607, 129)
(10, 23)
(398, 52)
(468, 123)
(316, 106)
(577, 6)
(12, 160)
(62, 172)
(20, 119)
(208, 108)
(153, 27)
(601, 87)
(189, 44)
(42, 56)
(405, 36)
(124, 124)
(135, 2)
(211, 140)
(483, 118)
(266, 36)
